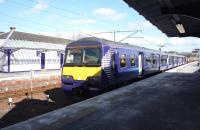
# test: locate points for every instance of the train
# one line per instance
(93, 64)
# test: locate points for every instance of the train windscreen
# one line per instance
(83, 57)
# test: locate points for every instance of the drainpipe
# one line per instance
(8, 51)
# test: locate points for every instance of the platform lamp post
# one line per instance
(197, 52)
(199, 56)
(161, 46)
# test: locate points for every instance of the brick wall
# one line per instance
(21, 86)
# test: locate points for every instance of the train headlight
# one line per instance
(67, 77)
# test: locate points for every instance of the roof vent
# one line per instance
(12, 28)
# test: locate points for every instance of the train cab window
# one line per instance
(83, 56)
(74, 56)
(123, 60)
(132, 60)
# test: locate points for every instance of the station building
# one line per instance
(21, 51)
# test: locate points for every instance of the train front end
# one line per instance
(82, 67)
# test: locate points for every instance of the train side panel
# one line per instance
(127, 64)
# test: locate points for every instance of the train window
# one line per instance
(74, 56)
(123, 60)
(163, 60)
(171, 60)
(153, 59)
(148, 60)
(91, 56)
(132, 60)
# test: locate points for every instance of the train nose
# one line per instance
(68, 83)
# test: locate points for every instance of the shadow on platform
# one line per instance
(170, 101)
(28, 108)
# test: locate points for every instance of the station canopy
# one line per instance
(175, 18)
(21, 40)
(31, 45)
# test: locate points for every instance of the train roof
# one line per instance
(115, 44)
(121, 45)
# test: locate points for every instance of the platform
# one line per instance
(170, 100)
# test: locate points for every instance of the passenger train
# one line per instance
(93, 64)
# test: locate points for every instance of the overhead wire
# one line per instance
(79, 14)
(58, 14)
(33, 22)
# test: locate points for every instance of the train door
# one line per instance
(140, 63)
(113, 63)
(113, 67)
(159, 62)
(168, 63)
(154, 61)
(172, 61)
(42, 60)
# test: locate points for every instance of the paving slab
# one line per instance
(169, 101)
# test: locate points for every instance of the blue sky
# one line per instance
(73, 19)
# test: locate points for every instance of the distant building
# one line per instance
(24, 52)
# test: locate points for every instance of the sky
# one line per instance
(74, 19)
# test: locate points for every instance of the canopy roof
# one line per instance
(173, 17)
(21, 40)
(35, 37)
(22, 44)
